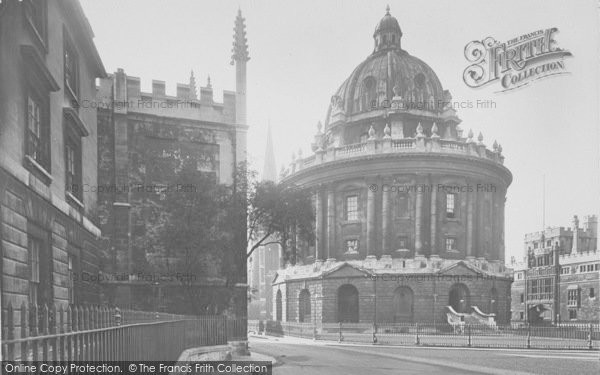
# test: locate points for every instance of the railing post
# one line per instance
(374, 333)
(8, 349)
(24, 332)
(590, 334)
(417, 340)
(528, 335)
(341, 337)
(117, 316)
(469, 335)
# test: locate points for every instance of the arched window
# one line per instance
(403, 304)
(304, 306)
(347, 304)
(402, 201)
(368, 97)
(458, 298)
(278, 306)
(420, 81)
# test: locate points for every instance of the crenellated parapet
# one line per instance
(129, 98)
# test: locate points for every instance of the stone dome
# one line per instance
(388, 72)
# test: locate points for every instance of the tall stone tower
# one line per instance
(269, 172)
(240, 57)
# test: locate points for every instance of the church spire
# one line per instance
(193, 91)
(269, 169)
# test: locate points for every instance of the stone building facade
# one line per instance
(409, 211)
(49, 237)
(140, 134)
(557, 280)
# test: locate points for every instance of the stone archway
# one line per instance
(459, 298)
(348, 304)
(403, 302)
(304, 306)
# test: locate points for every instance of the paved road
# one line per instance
(298, 356)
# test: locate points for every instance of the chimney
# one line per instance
(575, 235)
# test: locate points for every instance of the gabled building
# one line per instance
(49, 234)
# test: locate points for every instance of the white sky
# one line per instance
(301, 51)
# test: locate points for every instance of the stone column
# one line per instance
(370, 221)
(433, 239)
(385, 219)
(419, 219)
(319, 243)
(470, 198)
(331, 253)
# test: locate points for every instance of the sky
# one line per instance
(301, 51)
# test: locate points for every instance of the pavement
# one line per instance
(293, 356)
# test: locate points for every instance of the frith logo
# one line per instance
(515, 63)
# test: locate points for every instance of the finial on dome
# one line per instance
(387, 132)
(470, 135)
(371, 132)
(434, 131)
(499, 148)
(208, 84)
(319, 127)
(420, 131)
(387, 9)
(480, 138)
(495, 145)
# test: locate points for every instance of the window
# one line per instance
(402, 242)
(549, 243)
(519, 276)
(352, 208)
(522, 298)
(450, 205)
(565, 270)
(38, 137)
(71, 68)
(535, 245)
(450, 244)
(71, 280)
(34, 277)
(572, 314)
(73, 178)
(521, 315)
(351, 246)
(541, 289)
(592, 293)
(35, 12)
(574, 298)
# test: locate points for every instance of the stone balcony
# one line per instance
(387, 145)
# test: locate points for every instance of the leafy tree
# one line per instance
(279, 213)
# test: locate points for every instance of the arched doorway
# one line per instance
(403, 304)
(458, 298)
(304, 306)
(278, 307)
(348, 304)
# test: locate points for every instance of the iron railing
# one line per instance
(97, 333)
(563, 336)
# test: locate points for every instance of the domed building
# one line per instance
(409, 210)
